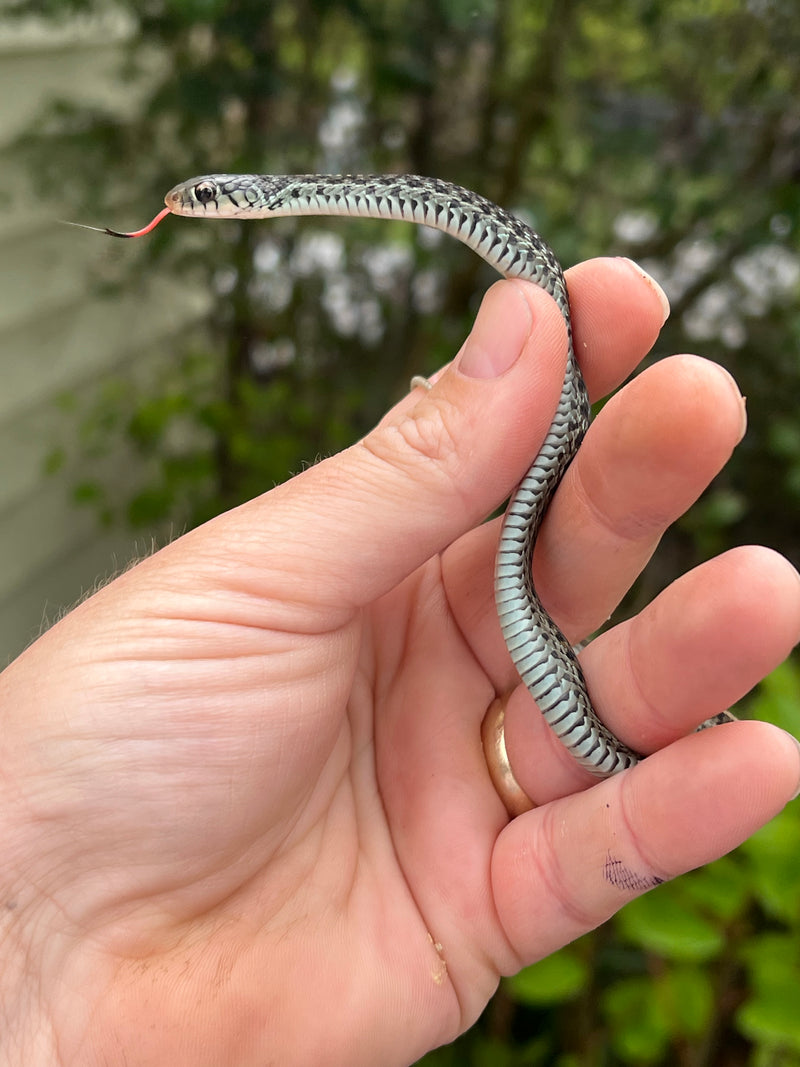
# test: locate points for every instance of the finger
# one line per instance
(561, 870)
(698, 648)
(368, 517)
(609, 340)
(651, 451)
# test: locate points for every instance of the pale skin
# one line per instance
(245, 814)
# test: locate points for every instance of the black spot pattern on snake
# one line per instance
(622, 877)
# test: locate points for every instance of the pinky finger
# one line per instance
(562, 869)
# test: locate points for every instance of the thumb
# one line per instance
(359, 522)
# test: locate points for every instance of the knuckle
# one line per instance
(425, 438)
(567, 896)
(428, 432)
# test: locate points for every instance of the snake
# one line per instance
(546, 661)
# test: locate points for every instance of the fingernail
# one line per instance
(659, 292)
(796, 793)
(741, 403)
(742, 414)
(498, 336)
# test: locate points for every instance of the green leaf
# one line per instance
(559, 977)
(88, 493)
(773, 1019)
(721, 890)
(492, 1053)
(773, 960)
(648, 1015)
(778, 698)
(686, 996)
(764, 1056)
(149, 506)
(774, 856)
(54, 461)
(661, 922)
(639, 1027)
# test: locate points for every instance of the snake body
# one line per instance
(541, 654)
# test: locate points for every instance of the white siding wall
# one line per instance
(57, 335)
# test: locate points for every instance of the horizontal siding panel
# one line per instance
(37, 68)
(30, 610)
(35, 34)
(34, 535)
(38, 423)
(70, 345)
(57, 335)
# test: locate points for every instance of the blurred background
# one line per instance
(149, 385)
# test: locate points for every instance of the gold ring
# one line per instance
(493, 736)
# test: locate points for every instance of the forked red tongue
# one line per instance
(133, 233)
(145, 229)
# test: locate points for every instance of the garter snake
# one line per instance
(541, 654)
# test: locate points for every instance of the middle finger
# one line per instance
(649, 454)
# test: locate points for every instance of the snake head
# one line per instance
(212, 196)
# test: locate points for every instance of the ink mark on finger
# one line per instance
(622, 877)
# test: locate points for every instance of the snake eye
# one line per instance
(205, 191)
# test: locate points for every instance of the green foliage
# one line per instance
(648, 1016)
(665, 923)
(769, 1016)
(559, 977)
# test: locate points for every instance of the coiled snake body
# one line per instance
(542, 655)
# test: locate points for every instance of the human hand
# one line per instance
(244, 808)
